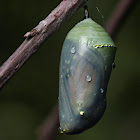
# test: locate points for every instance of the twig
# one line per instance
(115, 21)
(36, 37)
(119, 15)
(50, 125)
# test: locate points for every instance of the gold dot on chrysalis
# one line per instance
(67, 76)
(82, 113)
(60, 130)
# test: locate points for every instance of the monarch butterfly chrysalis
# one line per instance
(86, 63)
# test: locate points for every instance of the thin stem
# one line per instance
(119, 15)
(86, 12)
(47, 130)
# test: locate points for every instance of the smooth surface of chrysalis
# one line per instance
(87, 60)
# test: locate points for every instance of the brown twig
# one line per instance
(115, 21)
(120, 13)
(47, 130)
(37, 36)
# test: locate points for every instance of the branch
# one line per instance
(119, 16)
(37, 36)
(48, 129)
(115, 21)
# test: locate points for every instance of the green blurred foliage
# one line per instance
(29, 96)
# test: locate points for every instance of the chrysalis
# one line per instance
(87, 60)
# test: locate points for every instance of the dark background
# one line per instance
(30, 95)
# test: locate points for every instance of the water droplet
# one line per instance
(63, 116)
(102, 90)
(88, 78)
(60, 130)
(113, 65)
(61, 76)
(73, 50)
(79, 104)
(71, 119)
(82, 113)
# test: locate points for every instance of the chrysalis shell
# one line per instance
(86, 63)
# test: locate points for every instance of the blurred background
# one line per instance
(27, 99)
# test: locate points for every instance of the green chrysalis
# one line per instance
(86, 63)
